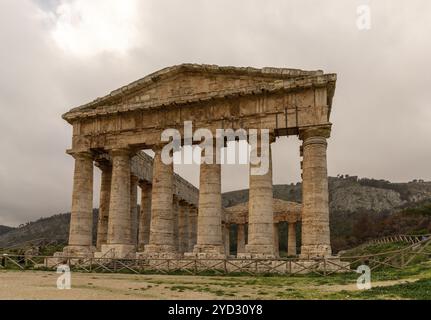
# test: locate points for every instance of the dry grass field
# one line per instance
(411, 283)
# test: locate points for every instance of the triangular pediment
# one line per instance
(191, 80)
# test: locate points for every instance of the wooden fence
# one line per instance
(398, 259)
(400, 238)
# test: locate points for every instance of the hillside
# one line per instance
(350, 194)
(54, 227)
(360, 209)
(4, 229)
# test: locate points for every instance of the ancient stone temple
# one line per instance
(175, 218)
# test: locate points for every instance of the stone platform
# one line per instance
(199, 262)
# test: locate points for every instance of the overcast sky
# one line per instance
(58, 54)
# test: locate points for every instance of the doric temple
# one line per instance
(176, 219)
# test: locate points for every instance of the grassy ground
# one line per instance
(413, 282)
(376, 248)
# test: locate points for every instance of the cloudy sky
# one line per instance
(58, 54)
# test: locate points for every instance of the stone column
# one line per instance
(315, 212)
(276, 241)
(175, 211)
(81, 218)
(209, 239)
(291, 239)
(183, 227)
(119, 225)
(133, 210)
(240, 239)
(226, 239)
(162, 215)
(105, 196)
(145, 216)
(260, 212)
(193, 226)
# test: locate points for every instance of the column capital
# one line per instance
(125, 151)
(315, 132)
(81, 154)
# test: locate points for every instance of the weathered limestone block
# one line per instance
(81, 220)
(315, 214)
(175, 209)
(183, 227)
(276, 241)
(241, 239)
(133, 210)
(226, 239)
(162, 215)
(105, 195)
(119, 225)
(193, 226)
(261, 216)
(291, 239)
(209, 238)
(145, 216)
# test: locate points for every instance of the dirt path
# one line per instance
(42, 285)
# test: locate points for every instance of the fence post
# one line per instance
(324, 266)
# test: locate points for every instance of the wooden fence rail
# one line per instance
(397, 259)
(400, 238)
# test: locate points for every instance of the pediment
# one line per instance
(194, 81)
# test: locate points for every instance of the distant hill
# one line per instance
(362, 209)
(54, 227)
(354, 203)
(350, 194)
(4, 229)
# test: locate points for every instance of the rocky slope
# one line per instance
(350, 194)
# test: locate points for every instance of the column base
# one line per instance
(159, 248)
(259, 251)
(315, 251)
(291, 254)
(256, 256)
(117, 251)
(160, 251)
(77, 251)
(206, 251)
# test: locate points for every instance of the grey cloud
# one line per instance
(381, 109)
